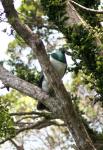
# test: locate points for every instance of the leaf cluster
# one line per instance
(19, 53)
(56, 11)
(6, 121)
(30, 13)
(89, 55)
(25, 72)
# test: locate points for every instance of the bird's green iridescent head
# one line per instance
(59, 55)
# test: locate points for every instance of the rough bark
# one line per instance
(65, 108)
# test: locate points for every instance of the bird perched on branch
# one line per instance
(58, 61)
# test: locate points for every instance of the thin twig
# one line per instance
(87, 9)
(40, 114)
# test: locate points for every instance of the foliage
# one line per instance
(85, 53)
(21, 60)
(88, 54)
(56, 11)
(18, 102)
(6, 121)
(30, 13)
(24, 72)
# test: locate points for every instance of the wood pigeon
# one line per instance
(58, 60)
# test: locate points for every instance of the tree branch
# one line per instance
(86, 9)
(39, 114)
(16, 145)
(27, 88)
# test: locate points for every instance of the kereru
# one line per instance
(58, 60)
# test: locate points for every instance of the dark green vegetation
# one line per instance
(6, 122)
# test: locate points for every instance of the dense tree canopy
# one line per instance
(39, 27)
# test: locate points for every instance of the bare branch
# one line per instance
(38, 125)
(31, 113)
(20, 121)
(86, 9)
(35, 114)
(16, 145)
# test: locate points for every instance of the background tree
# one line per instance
(84, 39)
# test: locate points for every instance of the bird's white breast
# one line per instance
(59, 66)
